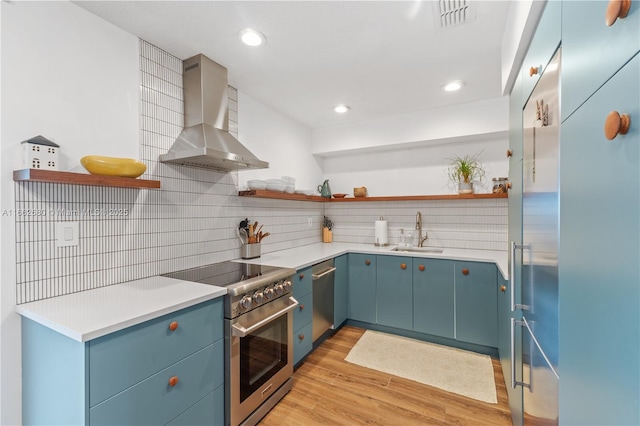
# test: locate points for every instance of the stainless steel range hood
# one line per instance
(205, 140)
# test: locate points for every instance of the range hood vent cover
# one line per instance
(205, 140)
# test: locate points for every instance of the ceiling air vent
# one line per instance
(454, 12)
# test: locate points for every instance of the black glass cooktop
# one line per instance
(224, 274)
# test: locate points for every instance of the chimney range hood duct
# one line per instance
(205, 140)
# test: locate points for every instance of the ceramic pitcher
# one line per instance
(324, 189)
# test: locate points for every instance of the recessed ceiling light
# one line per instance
(453, 86)
(341, 109)
(252, 37)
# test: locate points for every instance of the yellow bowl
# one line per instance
(113, 166)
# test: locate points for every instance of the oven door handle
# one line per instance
(240, 331)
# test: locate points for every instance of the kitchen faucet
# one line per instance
(421, 240)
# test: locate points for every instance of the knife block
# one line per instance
(327, 235)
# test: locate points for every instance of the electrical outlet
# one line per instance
(310, 222)
(66, 234)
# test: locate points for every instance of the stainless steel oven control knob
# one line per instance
(278, 289)
(245, 303)
(287, 286)
(258, 297)
(268, 293)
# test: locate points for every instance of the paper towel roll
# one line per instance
(381, 234)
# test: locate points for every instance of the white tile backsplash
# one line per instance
(128, 234)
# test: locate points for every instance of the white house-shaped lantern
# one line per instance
(40, 153)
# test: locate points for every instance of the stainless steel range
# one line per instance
(258, 335)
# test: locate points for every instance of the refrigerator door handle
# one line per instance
(512, 273)
(535, 341)
(515, 382)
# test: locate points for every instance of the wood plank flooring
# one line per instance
(327, 390)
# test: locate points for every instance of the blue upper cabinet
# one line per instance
(592, 51)
(599, 290)
(543, 45)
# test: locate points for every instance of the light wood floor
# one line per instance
(328, 390)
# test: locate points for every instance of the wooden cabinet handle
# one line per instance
(301, 336)
(301, 276)
(503, 288)
(301, 307)
(533, 71)
(465, 271)
(616, 124)
(173, 326)
(173, 381)
(421, 268)
(616, 9)
(403, 266)
(367, 262)
(509, 153)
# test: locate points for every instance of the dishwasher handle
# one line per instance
(327, 272)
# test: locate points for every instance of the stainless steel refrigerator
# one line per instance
(534, 322)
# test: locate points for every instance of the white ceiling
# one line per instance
(381, 58)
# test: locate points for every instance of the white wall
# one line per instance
(414, 171)
(68, 76)
(278, 139)
(418, 128)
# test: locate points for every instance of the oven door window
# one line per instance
(262, 354)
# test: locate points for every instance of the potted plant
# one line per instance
(464, 170)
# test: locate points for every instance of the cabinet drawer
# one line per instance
(302, 282)
(208, 411)
(302, 342)
(591, 51)
(154, 401)
(303, 313)
(124, 358)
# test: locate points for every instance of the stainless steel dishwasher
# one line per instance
(323, 274)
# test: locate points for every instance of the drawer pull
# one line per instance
(301, 307)
(302, 276)
(465, 271)
(533, 71)
(173, 326)
(301, 336)
(503, 288)
(421, 268)
(616, 124)
(403, 266)
(616, 9)
(509, 153)
(173, 381)
(367, 262)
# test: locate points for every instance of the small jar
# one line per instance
(499, 185)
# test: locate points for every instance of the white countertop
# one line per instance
(94, 313)
(301, 257)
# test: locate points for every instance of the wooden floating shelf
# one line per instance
(54, 176)
(302, 197)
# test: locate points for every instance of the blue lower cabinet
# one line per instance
(157, 399)
(340, 290)
(209, 411)
(302, 282)
(303, 314)
(433, 297)
(394, 292)
(60, 374)
(362, 288)
(476, 303)
(302, 342)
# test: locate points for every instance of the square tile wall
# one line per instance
(127, 234)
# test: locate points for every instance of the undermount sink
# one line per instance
(436, 250)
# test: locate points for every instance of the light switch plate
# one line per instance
(66, 234)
